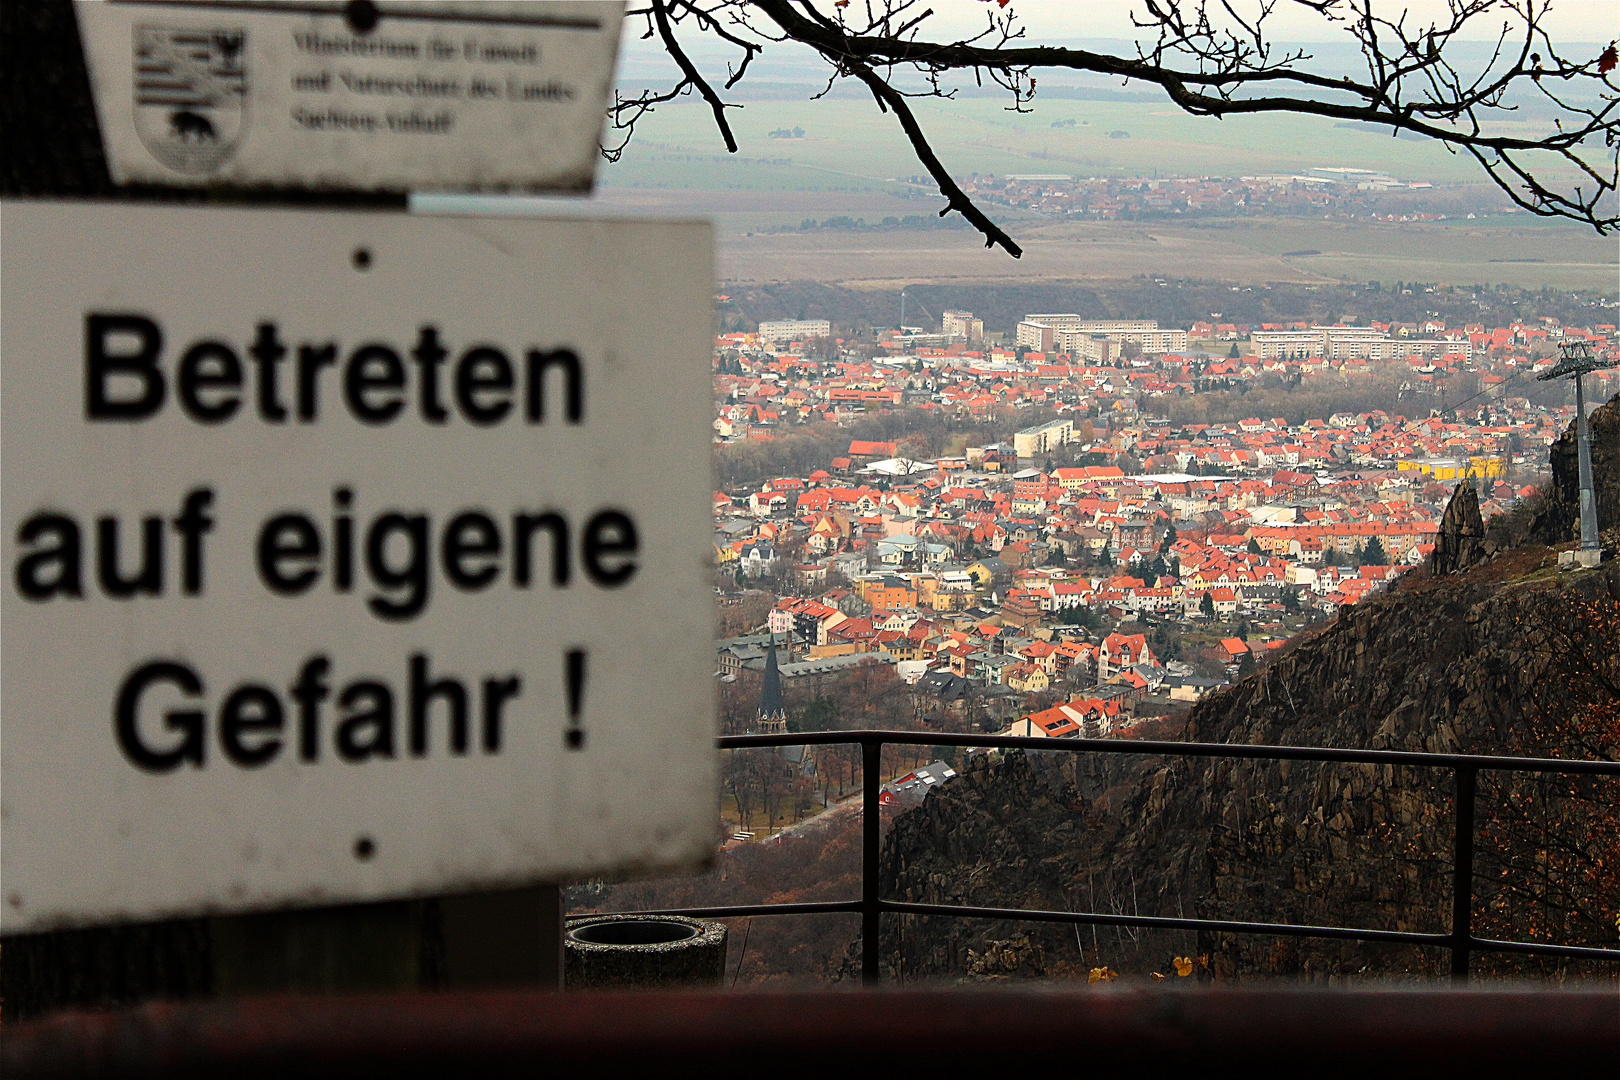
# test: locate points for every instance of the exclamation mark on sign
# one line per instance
(575, 738)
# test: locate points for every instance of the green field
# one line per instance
(1249, 251)
(850, 146)
(853, 161)
(1516, 250)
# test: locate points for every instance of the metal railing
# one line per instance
(1465, 770)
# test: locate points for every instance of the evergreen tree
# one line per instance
(1254, 547)
(1169, 538)
(1374, 554)
(1206, 606)
(820, 715)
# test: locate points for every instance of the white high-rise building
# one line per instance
(1068, 333)
(962, 324)
(1349, 342)
(794, 330)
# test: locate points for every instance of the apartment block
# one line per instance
(1076, 336)
(1349, 343)
(794, 330)
(962, 325)
(1035, 441)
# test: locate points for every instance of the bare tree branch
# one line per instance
(1217, 59)
(690, 72)
(888, 98)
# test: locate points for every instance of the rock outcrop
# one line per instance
(1460, 542)
(1558, 516)
(1440, 665)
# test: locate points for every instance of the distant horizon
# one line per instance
(1570, 22)
(1097, 25)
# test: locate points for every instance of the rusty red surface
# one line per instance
(1143, 1030)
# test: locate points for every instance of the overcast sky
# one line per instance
(1569, 20)
(1105, 26)
(1290, 21)
(644, 63)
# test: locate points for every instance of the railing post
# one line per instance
(1462, 875)
(871, 766)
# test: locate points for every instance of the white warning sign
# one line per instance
(348, 556)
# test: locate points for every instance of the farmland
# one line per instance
(848, 145)
(1249, 251)
(852, 163)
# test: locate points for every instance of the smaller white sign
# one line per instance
(465, 96)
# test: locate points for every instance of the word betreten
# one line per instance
(397, 553)
(252, 723)
(124, 378)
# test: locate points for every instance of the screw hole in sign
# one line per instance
(361, 15)
(364, 848)
(362, 258)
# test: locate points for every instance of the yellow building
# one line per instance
(927, 585)
(1028, 679)
(843, 648)
(1456, 468)
(888, 593)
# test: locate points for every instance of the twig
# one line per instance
(690, 71)
(889, 98)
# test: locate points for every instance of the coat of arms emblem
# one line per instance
(190, 94)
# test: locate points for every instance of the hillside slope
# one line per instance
(1451, 665)
(1510, 657)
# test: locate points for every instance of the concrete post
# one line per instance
(511, 938)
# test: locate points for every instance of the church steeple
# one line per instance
(772, 718)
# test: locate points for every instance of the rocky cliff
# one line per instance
(1460, 543)
(1454, 665)
(1558, 516)
(1507, 657)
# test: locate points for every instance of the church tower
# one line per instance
(772, 718)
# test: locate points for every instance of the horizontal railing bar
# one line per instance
(833, 907)
(1536, 948)
(1157, 922)
(964, 911)
(1409, 758)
